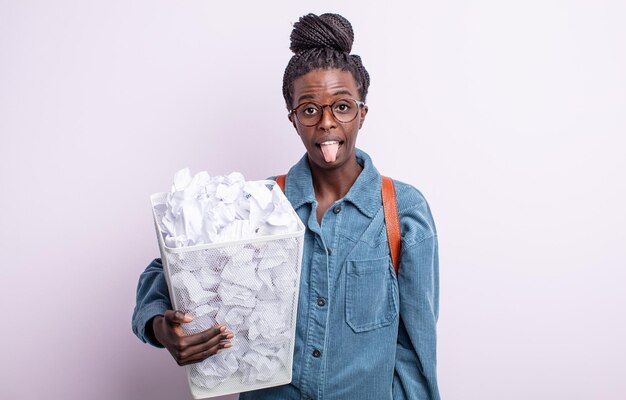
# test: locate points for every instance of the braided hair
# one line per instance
(323, 42)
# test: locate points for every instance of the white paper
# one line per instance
(235, 295)
(189, 287)
(201, 209)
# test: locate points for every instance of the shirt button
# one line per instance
(321, 302)
(330, 252)
(316, 353)
(337, 209)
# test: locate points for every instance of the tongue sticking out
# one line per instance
(330, 151)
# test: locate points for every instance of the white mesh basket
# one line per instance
(251, 286)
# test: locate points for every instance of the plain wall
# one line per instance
(509, 116)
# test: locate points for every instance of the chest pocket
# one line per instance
(370, 294)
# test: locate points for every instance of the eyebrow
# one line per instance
(344, 91)
(310, 96)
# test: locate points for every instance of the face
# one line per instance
(325, 87)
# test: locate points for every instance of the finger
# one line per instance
(223, 338)
(205, 336)
(177, 317)
(201, 349)
(204, 354)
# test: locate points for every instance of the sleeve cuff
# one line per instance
(147, 314)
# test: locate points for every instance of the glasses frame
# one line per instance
(359, 104)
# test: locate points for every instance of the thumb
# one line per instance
(177, 317)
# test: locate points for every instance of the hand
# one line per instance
(188, 349)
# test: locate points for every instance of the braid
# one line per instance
(323, 42)
(365, 76)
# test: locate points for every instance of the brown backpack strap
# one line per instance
(280, 180)
(392, 220)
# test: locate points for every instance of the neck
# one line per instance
(333, 184)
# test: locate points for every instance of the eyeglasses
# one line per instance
(344, 111)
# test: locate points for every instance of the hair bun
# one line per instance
(324, 31)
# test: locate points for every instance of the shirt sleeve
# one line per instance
(415, 375)
(153, 299)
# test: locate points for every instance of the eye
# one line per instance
(309, 110)
(342, 106)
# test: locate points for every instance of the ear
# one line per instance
(363, 114)
(291, 118)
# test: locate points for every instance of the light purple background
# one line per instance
(509, 116)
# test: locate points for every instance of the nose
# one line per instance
(328, 119)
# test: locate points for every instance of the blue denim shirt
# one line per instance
(361, 332)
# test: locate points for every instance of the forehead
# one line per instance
(323, 84)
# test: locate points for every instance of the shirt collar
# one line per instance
(364, 194)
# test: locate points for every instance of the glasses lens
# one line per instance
(309, 114)
(345, 110)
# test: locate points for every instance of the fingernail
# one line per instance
(222, 328)
(225, 345)
(188, 317)
(229, 336)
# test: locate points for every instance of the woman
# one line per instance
(362, 332)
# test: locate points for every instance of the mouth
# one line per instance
(329, 143)
(329, 149)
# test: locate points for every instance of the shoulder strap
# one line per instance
(392, 220)
(280, 180)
